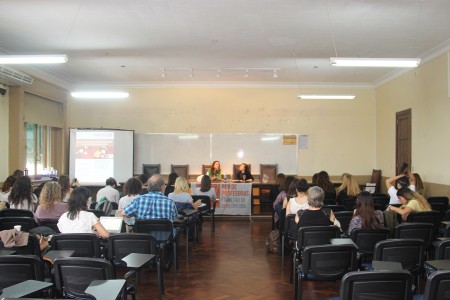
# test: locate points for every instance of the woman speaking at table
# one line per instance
(215, 172)
(244, 174)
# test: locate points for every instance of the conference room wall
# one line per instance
(340, 133)
(425, 91)
(4, 145)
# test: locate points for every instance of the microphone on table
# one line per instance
(244, 176)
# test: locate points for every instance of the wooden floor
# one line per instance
(232, 264)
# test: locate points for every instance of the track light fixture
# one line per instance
(221, 71)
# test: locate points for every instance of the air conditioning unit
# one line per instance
(12, 77)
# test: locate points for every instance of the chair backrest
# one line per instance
(50, 223)
(84, 244)
(432, 217)
(77, 273)
(32, 248)
(386, 285)
(409, 252)
(335, 208)
(376, 178)
(442, 250)
(423, 231)
(97, 212)
(151, 169)
(145, 226)
(290, 227)
(12, 212)
(120, 245)
(381, 202)
(180, 170)
(268, 172)
(205, 199)
(328, 262)
(439, 199)
(27, 223)
(205, 169)
(349, 203)
(17, 268)
(437, 286)
(344, 217)
(330, 201)
(316, 235)
(367, 239)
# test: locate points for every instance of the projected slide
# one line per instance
(96, 155)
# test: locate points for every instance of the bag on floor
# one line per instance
(273, 241)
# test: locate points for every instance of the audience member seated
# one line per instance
(78, 219)
(109, 191)
(315, 215)
(21, 196)
(244, 174)
(131, 190)
(324, 182)
(50, 205)
(420, 187)
(278, 203)
(170, 187)
(348, 188)
(397, 182)
(206, 189)
(66, 188)
(181, 195)
(143, 178)
(411, 202)
(300, 201)
(6, 188)
(365, 216)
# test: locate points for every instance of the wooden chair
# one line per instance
(180, 170)
(268, 171)
(151, 169)
(376, 178)
(205, 169)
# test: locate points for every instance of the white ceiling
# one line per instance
(128, 42)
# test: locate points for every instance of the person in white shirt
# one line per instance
(109, 191)
(21, 196)
(395, 183)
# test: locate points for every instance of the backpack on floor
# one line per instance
(273, 241)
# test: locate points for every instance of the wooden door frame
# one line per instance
(402, 115)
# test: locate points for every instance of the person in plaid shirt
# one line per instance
(154, 205)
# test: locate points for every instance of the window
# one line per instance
(40, 148)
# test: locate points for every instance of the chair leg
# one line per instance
(213, 224)
(282, 252)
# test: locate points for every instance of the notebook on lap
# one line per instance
(112, 224)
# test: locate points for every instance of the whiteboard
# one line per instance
(198, 149)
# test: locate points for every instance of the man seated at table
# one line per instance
(153, 205)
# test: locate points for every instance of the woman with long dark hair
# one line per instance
(66, 189)
(78, 219)
(206, 188)
(170, 187)
(324, 182)
(365, 216)
(215, 172)
(21, 196)
(6, 188)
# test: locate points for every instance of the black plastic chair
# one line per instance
(335, 208)
(381, 202)
(349, 203)
(84, 244)
(439, 199)
(432, 217)
(437, 287)
(32, 248)
(97, 212)
(27, 223)
(324, 262)
(409, 252)
(442, 249)
(344, 217)
(120, 245)
(18, 268)
(73, 275)
(311, 236)
(366, 241)
(386, 285)
(12, 212)
(289, 234)
(50, 223)
(208, 210)
(423, 231)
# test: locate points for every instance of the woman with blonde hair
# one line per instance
(50, 205)
(348, 188)
(411, 202)
(181, 195)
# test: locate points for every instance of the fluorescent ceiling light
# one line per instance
(188, 137)
(337, 97)
(375, 62)
(100, 95)
(33, 59)
(269, 138)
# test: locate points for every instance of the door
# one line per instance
(403, 139)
